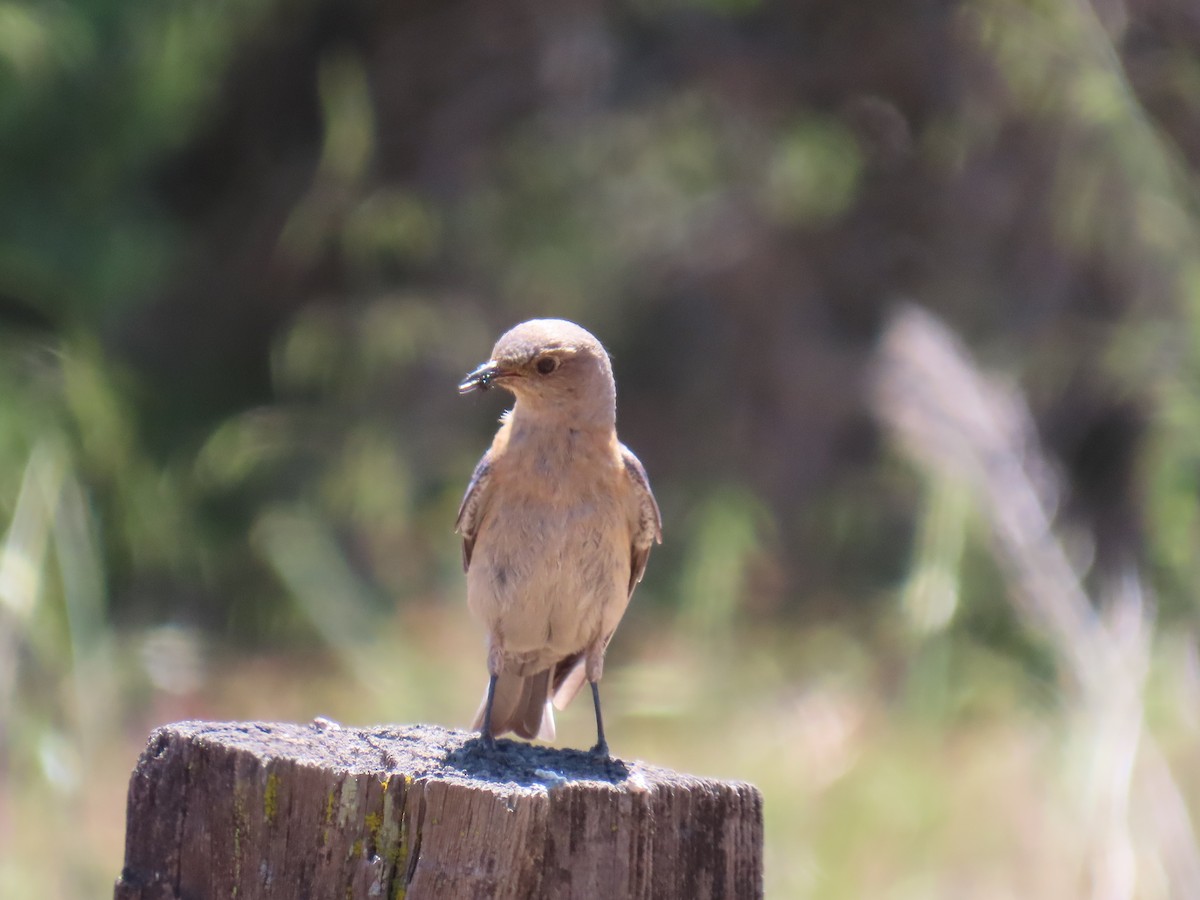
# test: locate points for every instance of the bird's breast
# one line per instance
(552, 554)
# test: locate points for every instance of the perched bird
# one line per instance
(557, 525)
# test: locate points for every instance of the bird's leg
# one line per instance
(601, 748)
(485, 733)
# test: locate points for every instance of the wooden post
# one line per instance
(254, 811)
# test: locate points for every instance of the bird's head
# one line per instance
(549, 364)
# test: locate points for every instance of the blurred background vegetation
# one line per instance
(248, 248)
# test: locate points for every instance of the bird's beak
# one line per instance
(481, 379)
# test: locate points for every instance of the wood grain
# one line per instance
(259, 810)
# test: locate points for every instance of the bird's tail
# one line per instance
(521, 705)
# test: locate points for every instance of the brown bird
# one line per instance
(557, 525)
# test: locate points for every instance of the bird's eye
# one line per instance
(546, 365)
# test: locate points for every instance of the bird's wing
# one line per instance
(647, 525)
(470, 512)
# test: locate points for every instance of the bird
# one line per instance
(557, 524)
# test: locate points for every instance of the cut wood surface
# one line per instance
(262, 810)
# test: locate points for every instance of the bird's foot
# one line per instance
(600, 751)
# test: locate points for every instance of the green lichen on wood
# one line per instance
(373, 822)
(393, 841)
(330, 806)
(271, 798)
(240, 825)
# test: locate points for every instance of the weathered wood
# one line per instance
(255, 811)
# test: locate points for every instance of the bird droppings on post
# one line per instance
(258, 810)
